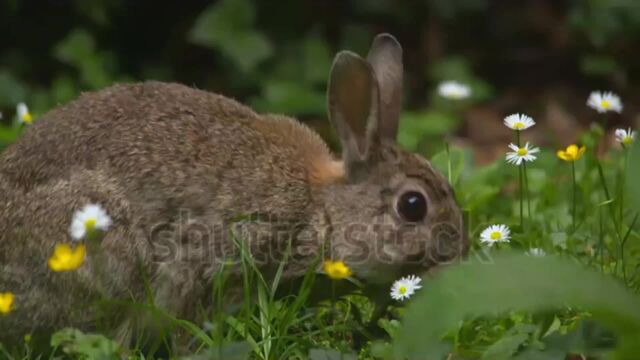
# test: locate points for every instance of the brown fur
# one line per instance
(177, 168)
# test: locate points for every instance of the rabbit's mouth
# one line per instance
(399, 262)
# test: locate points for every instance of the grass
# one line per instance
(582, 297)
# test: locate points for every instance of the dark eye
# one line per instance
(412, 206)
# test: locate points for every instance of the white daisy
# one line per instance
(494, 234)
(604, 102)
(24, 116)
(521, 154)
(519, 122)
(536, 252)
(454, 90)
(625, 137)
(86, 221)
(405, 287)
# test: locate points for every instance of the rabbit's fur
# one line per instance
(177, 167)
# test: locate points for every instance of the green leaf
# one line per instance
(633, 176)
(455, 157)
(505, 347)
(317, 60)
(239, 350)
(227, 26)
(323, 354)
(512, 282)
(290, 98)
(415, 126)
(12, 90)
(75, 342)
(76, 48)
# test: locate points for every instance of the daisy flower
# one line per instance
(6, 302)
(405, 287)
(625, 137)
(604, 102)
(454, 90)
(88, 220)
(494, 234)
(24, 116)
(521, 154)
(65, 258)
(337, 270)
(519, 122)
(571, 153)
(536, 252)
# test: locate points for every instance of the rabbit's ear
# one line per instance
(353, 102)
(385, 56)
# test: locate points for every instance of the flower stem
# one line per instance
(526, 190)
(621, 214)
(520, 171)
(521, 187)
(446, 146)
(622, 185)
(601, 238)
(573, 208)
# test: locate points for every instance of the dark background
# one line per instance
(541, 57)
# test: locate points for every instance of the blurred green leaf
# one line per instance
(239, 350)
(12, 90)
(454, 161)
(76, 49)
(322, 354)
(415, 126)
(633, 176)
(290, 98)
(505, 347)
(227, 26)
(87, 346)
(512, 282)
(598, 64)
(317, 60)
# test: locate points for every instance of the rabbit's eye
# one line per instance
(412, 206)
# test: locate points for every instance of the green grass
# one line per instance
(582, 297)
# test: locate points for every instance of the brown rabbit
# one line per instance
(177, 167)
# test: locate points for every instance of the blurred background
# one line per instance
(540, 57)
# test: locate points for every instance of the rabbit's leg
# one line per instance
(32, 223)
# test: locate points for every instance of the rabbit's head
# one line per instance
(393, 212)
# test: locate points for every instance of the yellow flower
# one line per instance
(65, 258)
(571, 153)
(6, 302)
(336, 270)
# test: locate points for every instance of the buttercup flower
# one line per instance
(336, 270)
(494, 234)
(454, 90)
(625, 137)
(24, 116)
(65, 258)
(571, 153)
(405, 287)
(536, 252)
(521, 154)
(86, 221)
(6, 302)
(519, 122)
(604, 102)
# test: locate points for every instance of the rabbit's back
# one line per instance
(120, 122)
(172, 146)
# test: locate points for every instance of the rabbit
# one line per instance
(185, 173)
